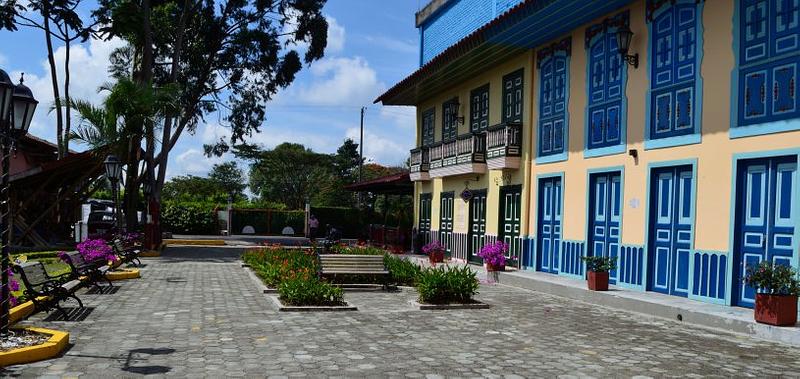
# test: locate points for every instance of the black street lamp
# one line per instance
(17, 106)
(113, 173)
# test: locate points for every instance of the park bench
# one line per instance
(94, 271)
(332, 265)
(47, 291)
(127, 254)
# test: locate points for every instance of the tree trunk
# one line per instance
(67, 110)
(51, 60)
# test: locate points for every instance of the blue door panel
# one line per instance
(549, 225)
(766, 215)
(671, 217)
(605, 215)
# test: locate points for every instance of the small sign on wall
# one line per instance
(460, 217)
(634, 203)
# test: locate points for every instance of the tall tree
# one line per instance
(59, 20)
(346, 161)
(232, 54)
(230, 178)
(290, 173)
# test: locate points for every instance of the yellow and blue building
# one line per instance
(679, 156)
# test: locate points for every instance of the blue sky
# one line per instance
(371, 45)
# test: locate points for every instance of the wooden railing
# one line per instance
(420, 159)
(504, 140)
(467, 148)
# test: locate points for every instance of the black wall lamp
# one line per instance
(624, 36)
(453, 107)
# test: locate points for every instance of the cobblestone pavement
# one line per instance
(196, 313)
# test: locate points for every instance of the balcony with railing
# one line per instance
(503, 146)
(420, 164)
(464, 155)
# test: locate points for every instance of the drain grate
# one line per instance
(176, 279)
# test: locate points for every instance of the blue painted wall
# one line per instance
(456, 20)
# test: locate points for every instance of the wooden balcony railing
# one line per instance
(465, 149)
(420, 159)
(504, 140)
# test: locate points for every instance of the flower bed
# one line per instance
(294, 274)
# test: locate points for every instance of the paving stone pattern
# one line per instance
(197, 313)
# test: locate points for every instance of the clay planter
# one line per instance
(436, 257)
(598, 281)
(490, 267)
(778, 310)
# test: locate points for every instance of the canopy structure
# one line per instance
(46, 198)
(396, 184)
(392, 237)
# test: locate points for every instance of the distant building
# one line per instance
(534, 128)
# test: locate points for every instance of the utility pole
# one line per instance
(361, 148)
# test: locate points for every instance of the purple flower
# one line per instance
(494, 253)
(95, 249)
(13, 285)
(433, 247)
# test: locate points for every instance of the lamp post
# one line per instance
(147, 190)
(113, 172)
(16, 112)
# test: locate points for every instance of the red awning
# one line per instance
(396, 184)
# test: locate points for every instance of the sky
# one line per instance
(371, 46)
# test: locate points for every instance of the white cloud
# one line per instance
(194, 162)
(336, 81)
(393, 44)
(336, 35)
(387, 151)
(88, 70)
(402, 117)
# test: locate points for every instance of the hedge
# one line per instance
(189, 218)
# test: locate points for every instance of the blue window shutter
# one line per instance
(769, 52)
(553, 63)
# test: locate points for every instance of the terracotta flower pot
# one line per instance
(491, 267)
(778, 310)
(436, 257)
(598, 281)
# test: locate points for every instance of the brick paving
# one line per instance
(197, 313)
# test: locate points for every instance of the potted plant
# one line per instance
(777, 288)
(494, 256)
(434, 251)
(597, 269)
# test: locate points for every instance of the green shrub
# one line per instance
(189, 218)
(303, 291)
(404, 272)
(356, 250)
(447, 285)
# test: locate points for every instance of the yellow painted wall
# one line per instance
(492, 180)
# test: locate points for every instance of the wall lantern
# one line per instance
(452, 108)
(624, 36)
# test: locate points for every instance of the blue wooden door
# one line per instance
(766, 217)
(671, 217)
(549, 227)
(605, 215)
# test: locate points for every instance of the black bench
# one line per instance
(127, 254)
(94, 271)
(47, 292)
(340, 264)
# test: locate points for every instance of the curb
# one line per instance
(172, 242)
(311, 308)
(442, 307)
(123, 275)
(49, 349)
